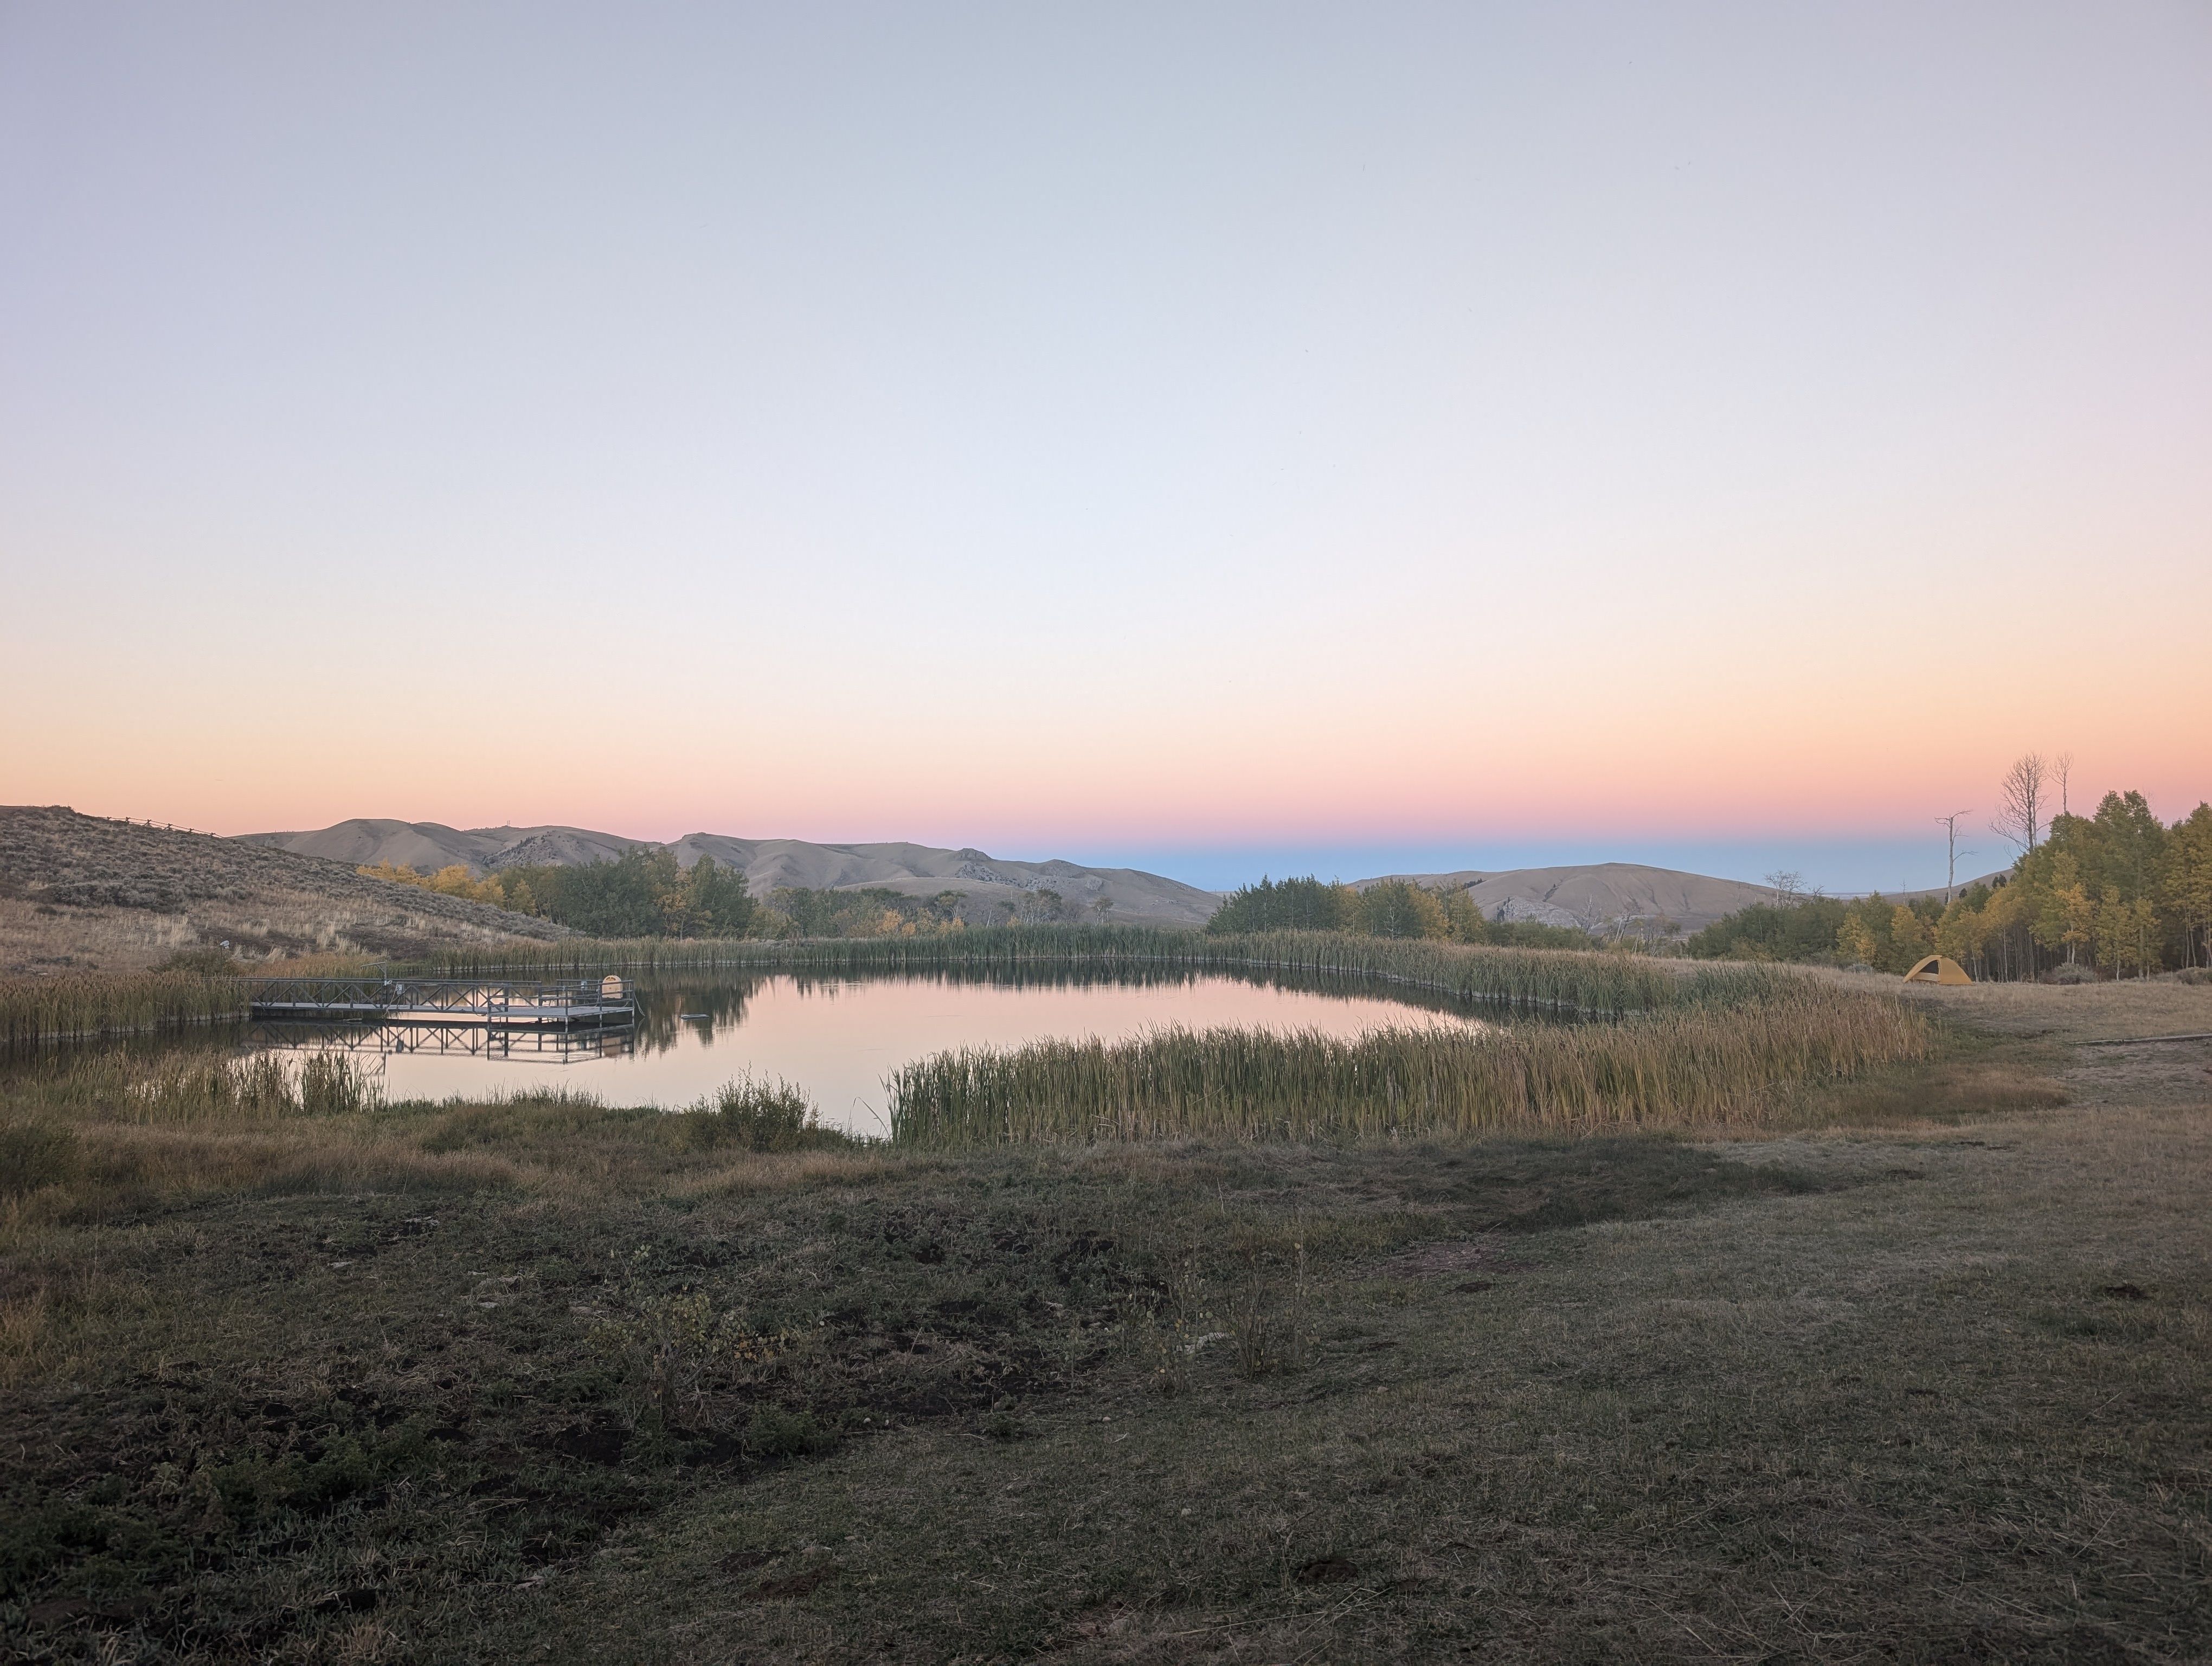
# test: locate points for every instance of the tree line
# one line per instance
(1389, 907)
(2117, 893)
(646, 892)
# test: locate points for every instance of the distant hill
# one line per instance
(83, 892)
(1603, 895)
(1595, 896)
(1134, 897)
(1599, 894)
(426, 846)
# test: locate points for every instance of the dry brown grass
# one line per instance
(1679, 1068)
(86, 1138)
(1951, 1091)
(102, 1169)
(42, 938)
(38, 938)
(1898, 1417)
(81, 893)
(2059, 1012)
(1924, 1382)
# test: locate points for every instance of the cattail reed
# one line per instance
(89, 1007)
(1577, 982)
(1700, 1064)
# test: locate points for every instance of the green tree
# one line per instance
(1293, 905)
(1807, 928)
(2123, 930)
(1398, 908)
(2129, 846)
(718, 901)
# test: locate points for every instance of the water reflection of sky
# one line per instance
(840, 1038)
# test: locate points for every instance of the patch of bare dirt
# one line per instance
(1458, 1258)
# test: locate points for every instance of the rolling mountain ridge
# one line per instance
(1132, 897)
(1598, 897)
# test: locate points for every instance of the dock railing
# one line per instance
(497, 1002)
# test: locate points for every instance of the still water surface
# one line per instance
(840, 1038)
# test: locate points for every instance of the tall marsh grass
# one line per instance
(1699, 1064)
(34, 1010)
(1592, 984)
(196, 1086)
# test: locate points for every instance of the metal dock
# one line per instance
(494, 1004)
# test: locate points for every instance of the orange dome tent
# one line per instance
(1938, 969)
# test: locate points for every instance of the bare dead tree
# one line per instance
(1787, 884)
(1950, 826)
(2063, 765)
(2021, 795)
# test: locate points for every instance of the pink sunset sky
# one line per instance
(1214, 440)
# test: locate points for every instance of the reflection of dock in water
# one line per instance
(499, 1017)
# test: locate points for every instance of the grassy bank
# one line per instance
(548, 1380)
(1702, 1065)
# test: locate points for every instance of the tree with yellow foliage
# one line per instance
(1395, 908)
(2065, 913)
(1909, 938)
(1960, 933)
(2123, 934)
(453, 881)
(2188, 882)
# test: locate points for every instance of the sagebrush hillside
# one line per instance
(1130, 895)
(86, 893)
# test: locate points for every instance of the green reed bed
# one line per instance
(1558, 979)
(88, 1007)
(1700, 1064)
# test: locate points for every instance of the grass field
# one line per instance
(1918, 1370)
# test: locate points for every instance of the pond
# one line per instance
(839, 1037)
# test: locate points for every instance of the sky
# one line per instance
(1218, 438)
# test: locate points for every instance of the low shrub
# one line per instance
(35, 1154)
(771, 1114)
(209, 960)
(773, 1432)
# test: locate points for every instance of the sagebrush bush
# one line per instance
(208, 960)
